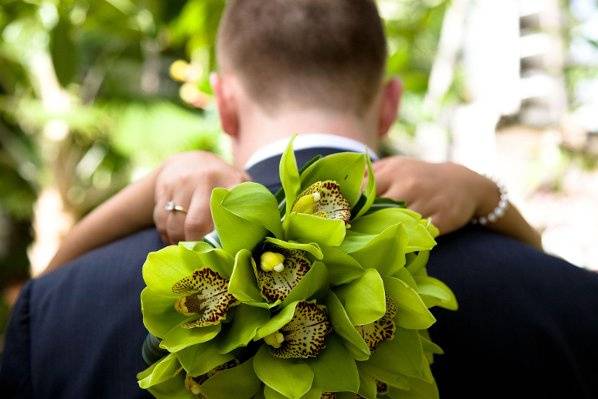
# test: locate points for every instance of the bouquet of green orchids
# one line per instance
(319, 291)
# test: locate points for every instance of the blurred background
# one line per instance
(95, 93)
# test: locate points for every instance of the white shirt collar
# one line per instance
(311, 140)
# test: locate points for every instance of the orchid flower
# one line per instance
(186, 298)
(168, 379)
(301, 357)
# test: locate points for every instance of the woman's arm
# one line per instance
(512, 223)
(128, 211)
(187, 179)
(450, 194)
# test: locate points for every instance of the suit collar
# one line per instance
(308, 141)
(266, 171)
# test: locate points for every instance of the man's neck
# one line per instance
(259, 132)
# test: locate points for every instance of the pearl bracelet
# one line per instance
(500, 209)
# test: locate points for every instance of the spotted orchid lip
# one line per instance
(324, 199)
(203, 294)
(277, 283)
(382, 329)
(305, 335)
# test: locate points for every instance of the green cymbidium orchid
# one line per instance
(256, 281)
(168, 379)
(301, 337)
(324, 199)
(319, 201)
(244, 216)
(186, 296)
(301, 357)
(382, 329)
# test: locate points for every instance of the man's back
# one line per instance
(77, 332)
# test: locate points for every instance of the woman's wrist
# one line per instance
(491, 198)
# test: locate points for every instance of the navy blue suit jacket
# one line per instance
(527, 326)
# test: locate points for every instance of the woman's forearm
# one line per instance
(512, 223)
(128, 211)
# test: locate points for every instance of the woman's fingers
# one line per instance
(199, 219)
(175, 226)
(161, 216)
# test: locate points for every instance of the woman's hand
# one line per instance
(188, 179)
(450, 194)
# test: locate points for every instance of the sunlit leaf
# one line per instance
(291, 379)
(364, 298)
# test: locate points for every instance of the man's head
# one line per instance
(284, 56)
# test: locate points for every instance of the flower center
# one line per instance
(307, 203)
(324, 199)
(304, 336)
(272, 261)
(190, 305)
(280, 271)
(205, 294)
(275, 339)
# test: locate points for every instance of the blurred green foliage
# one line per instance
(118, 109)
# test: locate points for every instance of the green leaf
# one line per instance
(180, 338)
(342, 326)
(163, 370)
(310, 228)
(435, 293)
(289, 176)
(346, 168)
(277, 322)
(313, 394)
(199, 359)
(370, 191)
(312, 248)
(367, 386)
(238, 382)
(364, 299)
(335, 370)
(417, 263)
(403, 355)
(235, 233)
(342, 268)
(384, 252)
(254, 203)
(417, 390)
(413, 312)
(243, 283)
(289, 378)
(197, 246)
(388, 377)
(270, 393)
(218, 260)
(242, 329)
(384, 203)
(406, 277)
(418, 235)
(159, 315)
(429, 347)
(164, 268)
(172, 389)
(314, 281)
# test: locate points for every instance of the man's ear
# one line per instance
(227, 105)
(389, 109)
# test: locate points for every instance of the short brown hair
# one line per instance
(325, 53)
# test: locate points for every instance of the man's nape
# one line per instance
(271, 84)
